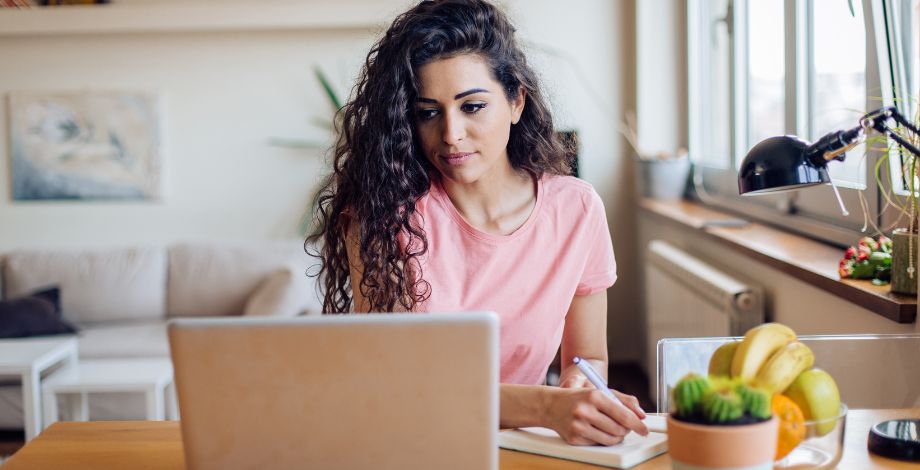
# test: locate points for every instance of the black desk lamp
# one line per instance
(788, 163)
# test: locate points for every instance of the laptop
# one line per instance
(393, 391)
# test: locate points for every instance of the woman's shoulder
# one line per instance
(569, 190)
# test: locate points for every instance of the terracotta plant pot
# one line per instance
(740, 447)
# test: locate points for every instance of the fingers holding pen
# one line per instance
(627, 413)
(579, 421)
(623, 409)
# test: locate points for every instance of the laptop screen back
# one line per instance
(395, 391)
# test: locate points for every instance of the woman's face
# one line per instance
(463, 118)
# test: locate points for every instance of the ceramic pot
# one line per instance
(665, 180)
(903, 245)
(740, 447)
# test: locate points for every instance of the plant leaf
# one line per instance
(327, 87)
(852, 10)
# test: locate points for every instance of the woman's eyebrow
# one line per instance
(456, 97)
(470, 92)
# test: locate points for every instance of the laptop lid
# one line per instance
(395, 391)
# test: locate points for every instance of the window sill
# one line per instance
(805, 259)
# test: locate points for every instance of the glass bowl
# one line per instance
(822, 447)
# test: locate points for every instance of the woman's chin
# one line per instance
(461, 175)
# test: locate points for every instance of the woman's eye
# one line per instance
(426, 114)
(472, 108)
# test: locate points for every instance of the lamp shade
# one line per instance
(779, 164)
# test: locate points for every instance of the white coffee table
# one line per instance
(28, 358)
(151, 377)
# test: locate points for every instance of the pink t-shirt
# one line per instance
(528, 277)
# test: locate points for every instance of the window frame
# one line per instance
(813, 212)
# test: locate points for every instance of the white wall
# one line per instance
(226, 93)
(223, 96)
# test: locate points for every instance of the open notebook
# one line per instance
(634, 450)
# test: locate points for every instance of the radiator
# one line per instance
(686, 297)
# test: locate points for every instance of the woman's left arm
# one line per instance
(585, 336)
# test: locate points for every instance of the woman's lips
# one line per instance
(458, 158)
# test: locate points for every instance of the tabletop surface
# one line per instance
(113, 372)
(158, 445)
(23, 352)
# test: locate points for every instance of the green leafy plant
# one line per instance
(899, 187)
(326, 123)
(905, 206)
(869, 259)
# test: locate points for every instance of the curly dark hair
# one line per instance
(379, 170)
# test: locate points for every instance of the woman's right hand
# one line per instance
(586, 416)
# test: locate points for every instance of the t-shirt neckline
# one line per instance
(441, 195)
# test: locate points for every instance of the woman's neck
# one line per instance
(499, 203)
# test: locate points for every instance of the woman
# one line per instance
(449, 193)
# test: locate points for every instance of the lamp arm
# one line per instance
(878, 120)
(833, 146)
(900, 119)
(904, 143)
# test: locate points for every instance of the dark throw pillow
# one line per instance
(51, 294)
(35, 315)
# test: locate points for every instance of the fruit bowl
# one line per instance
(822, 446)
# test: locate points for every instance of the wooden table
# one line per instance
(157, 445)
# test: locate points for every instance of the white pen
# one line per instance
(595, 378)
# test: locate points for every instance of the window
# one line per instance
(837, 81)
(712, 68)
(761, 68)
(904, 27)
(766, 71)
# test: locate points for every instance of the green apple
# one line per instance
(816, 393)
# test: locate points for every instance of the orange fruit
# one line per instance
(791, 424)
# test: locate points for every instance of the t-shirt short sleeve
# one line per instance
(600, 266)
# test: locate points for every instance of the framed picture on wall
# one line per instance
(85, 145)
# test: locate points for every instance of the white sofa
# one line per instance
(121, 299)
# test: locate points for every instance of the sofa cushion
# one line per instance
(276, 296)
(96, 286)
(123, 340)
(214, 280)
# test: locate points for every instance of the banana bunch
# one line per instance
(784, 366)
(769, 358)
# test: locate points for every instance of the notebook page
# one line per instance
(634, 449)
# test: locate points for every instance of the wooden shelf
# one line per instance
(191, 17)
(808, 260)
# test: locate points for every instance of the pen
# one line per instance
(595, 378)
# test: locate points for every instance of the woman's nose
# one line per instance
(454, 130)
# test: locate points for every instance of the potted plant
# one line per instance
(721, 423)
(661, 175)
(869, 259)
(904, 229)
(760, 400)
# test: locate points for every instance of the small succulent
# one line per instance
(719, 400)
